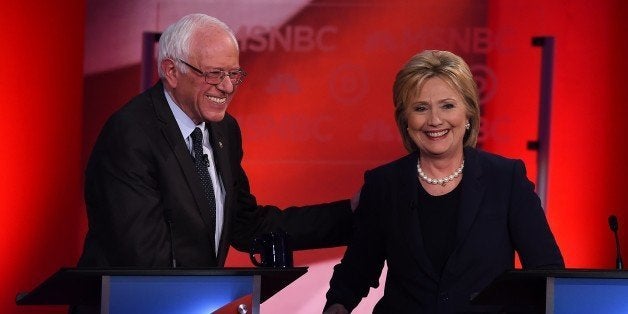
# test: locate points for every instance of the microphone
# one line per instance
(168, 216)
(612, 222)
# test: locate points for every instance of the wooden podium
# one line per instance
(127, 290)
(570, 291)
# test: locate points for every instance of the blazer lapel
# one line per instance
(221, 148)
(472, 194)
(172, 133)
(407, 208)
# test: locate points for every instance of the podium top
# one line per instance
(70, 286)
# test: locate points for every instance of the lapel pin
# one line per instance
(220, 144)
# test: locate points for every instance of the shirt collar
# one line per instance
(186, 125)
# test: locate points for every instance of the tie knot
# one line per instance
(197, 136)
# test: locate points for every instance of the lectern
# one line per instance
(119, 291)
(570, 291)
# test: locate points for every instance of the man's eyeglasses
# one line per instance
(215, 76)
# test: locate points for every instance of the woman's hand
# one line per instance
(336, 309)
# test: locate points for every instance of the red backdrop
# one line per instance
(41, 83)
(320, 128)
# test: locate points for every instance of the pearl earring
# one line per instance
(467, 126)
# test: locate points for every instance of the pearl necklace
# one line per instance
(441, 181)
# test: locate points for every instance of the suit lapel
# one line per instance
(472, 194)
(172, 133)
(221, 148)
(408, 207)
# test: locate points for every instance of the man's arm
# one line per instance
(315, 226)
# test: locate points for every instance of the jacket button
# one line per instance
(443, 296)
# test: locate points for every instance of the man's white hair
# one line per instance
(174, 42)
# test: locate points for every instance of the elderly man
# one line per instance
(164, 183)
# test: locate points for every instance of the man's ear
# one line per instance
(171, 74)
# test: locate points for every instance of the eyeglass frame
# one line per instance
(223, 74)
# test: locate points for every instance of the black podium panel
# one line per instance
(558, 291)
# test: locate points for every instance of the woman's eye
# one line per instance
(448, 105)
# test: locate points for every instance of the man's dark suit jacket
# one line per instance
(499, 213)
(141, 175)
